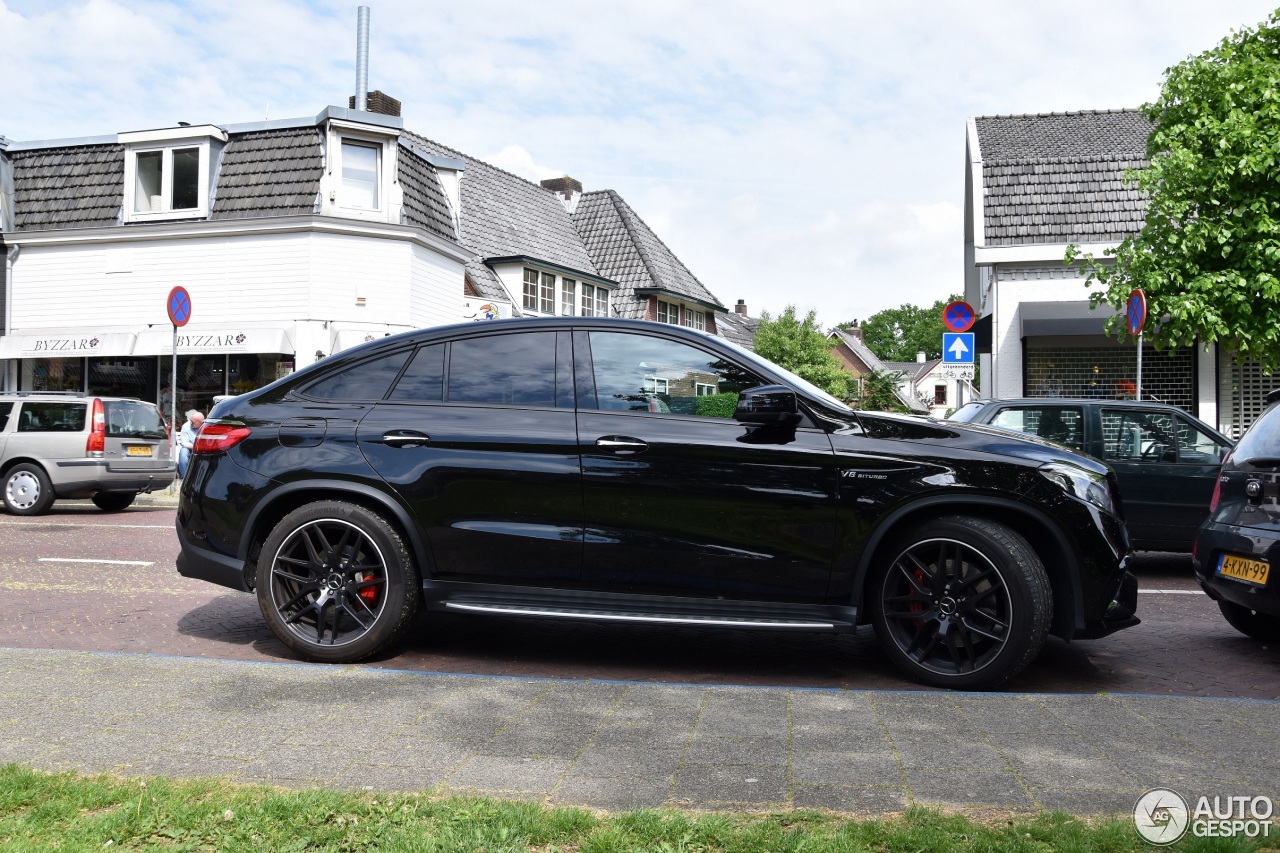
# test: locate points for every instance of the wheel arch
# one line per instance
(1043, 535)
(284, 500)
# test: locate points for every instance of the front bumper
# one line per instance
(1213, 540)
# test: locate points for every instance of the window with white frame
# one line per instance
(530, 302)
(539, 291)
(361, 174)
(167, 171)
(695, 320)
(588, 300)
(702, 389)
(939, 395)
(668, 312)
(602, 302)
(568, 297)
(655, 385)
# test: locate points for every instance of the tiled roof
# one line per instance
(1058, 178)
(425, 204)
(627, 251)
(73, 187)
(269, 173)
(860, 349)
(506, 216)
(914, 370)
(486, 284)
(738, 328)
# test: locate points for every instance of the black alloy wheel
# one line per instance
(336, 583)
(1251, 623)
(963, 603)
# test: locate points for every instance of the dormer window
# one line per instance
(361, 174)
(167, 172)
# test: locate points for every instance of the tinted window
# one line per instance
(5, 409)
(515, 369)
(51, 417)
(1063, 424)
(423, 379)
(1196, 446)
(642, 374)
(1262, 441)
(133, 419)
(1138, 436)
(368, 381)
(966, 413)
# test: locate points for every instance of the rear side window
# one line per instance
(367, 381)
(51, 417)
(1136, 436)
(517, 369)
(1063, 424)
(133, 419)
(5, 409)
(423, 380)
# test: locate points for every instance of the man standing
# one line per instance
(187, 439)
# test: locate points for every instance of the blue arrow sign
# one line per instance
(957, 347)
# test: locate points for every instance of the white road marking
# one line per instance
(100, 562)
(1171, 591)
(61, 523)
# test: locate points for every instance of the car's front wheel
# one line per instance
(336, 583)
(961, 602)
(27, 490)
(1251, 623)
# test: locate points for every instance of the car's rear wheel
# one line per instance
(961, 602)
(336, 583)
(27, 490)
(114, 501)
(1251, 623)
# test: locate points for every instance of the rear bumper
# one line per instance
(201, 563)
(1213, 540)
(88, 476)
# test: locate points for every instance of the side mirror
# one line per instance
(767, 404)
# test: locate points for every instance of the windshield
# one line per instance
(1262, 440)
(133, 419)
(966, 413)
(803, 384)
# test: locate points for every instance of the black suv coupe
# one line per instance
(616, 470)
(1239, 545)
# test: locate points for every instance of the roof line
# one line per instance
(648, 264)
(614, 198)
(1068, 113)
(75, 142)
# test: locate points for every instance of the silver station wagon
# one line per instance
(80, 446)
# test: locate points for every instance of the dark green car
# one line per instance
(1166, 460)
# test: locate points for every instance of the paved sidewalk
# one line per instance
(618, 745)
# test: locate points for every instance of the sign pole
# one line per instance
(1138, 386)
(173, 396)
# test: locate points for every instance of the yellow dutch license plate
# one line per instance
(1249, 571)
(139, 450)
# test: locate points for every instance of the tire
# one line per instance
(960, 602)
(114, 501)
(1251, 623)
(27, 490)
(336, 583)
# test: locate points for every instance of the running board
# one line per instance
(595, 606)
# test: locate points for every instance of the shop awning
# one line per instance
(67, 344)
(1047, 319)
(193, 340)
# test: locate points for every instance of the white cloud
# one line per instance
(788, 152)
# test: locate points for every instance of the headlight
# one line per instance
(1085, 485)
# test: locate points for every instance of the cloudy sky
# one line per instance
(807, 152)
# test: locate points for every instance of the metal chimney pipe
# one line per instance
(362, 58)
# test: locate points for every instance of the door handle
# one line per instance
(621, 444)
(405, 438)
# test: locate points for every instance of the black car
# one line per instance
(1166, 460)
(615, 470)
(1239, 544)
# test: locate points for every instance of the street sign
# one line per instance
(958, 316)
(179, 306)
(956, 371)
(957, 347)
(1136, 311)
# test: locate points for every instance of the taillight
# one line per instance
(97, 441)
(1217, 487)
(217, 437)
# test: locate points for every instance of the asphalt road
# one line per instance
(79, 579)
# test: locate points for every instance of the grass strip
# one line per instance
(64, 811)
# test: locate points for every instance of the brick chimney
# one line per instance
(741, 307)
(853, 330)
(567, 188)
(377, 102)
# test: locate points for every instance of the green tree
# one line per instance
(1208, 256)
(897, 334)
(879, 393)
(801, 347)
